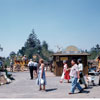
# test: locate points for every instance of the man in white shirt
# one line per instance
(74, 74)
(80, 66)
(31, 65)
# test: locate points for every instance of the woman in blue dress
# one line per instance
(41, 75)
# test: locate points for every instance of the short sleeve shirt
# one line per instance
(74, 71)
(31, 63)
(80, 66)
(35, 64)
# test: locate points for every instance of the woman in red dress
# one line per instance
(65, 74)
(67, 77)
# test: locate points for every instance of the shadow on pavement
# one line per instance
(67, 82)
(86, 91)
(90, 87)
(94, 85)
(83, 92)
(49, 90)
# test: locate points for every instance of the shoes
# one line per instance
(40, 89)
(44, 90)
(94, 84)
(61, 81)
(69, 82)
(70, 93)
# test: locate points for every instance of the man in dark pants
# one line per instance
(80, 67)
(31, 65)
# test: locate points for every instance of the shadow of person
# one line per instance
(92, 86)
(89, 87)
(49, 90)
(86, 91)
(96, 85)
(83, 92)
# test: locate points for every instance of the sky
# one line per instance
(58, 22)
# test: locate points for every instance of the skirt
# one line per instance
(39, 78)
(67, 77)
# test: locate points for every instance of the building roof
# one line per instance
(82, 54)
(71, 50)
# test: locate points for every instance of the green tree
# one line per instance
(12, 54)
(94, 52)
(21, 51)
(32, 40)
(45, 45)
(33, 47)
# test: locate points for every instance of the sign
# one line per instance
(63, 58)
(34, 56)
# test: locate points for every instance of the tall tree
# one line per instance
(45, 45)
(94, 52)
(33, 47)
(21, 51)
(32, 40)
(12, 54)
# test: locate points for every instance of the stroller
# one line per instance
(90, 78)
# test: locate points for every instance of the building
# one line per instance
(69, 53)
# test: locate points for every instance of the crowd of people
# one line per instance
(76, 76)
(73, 74)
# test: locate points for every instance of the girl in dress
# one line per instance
(41, 75)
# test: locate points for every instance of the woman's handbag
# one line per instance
(42, 81)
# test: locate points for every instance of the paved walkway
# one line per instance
(23, 87)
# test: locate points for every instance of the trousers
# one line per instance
(75, 84)
(31, 71)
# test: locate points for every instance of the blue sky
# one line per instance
(59, 22)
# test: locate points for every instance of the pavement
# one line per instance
(23, 87)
